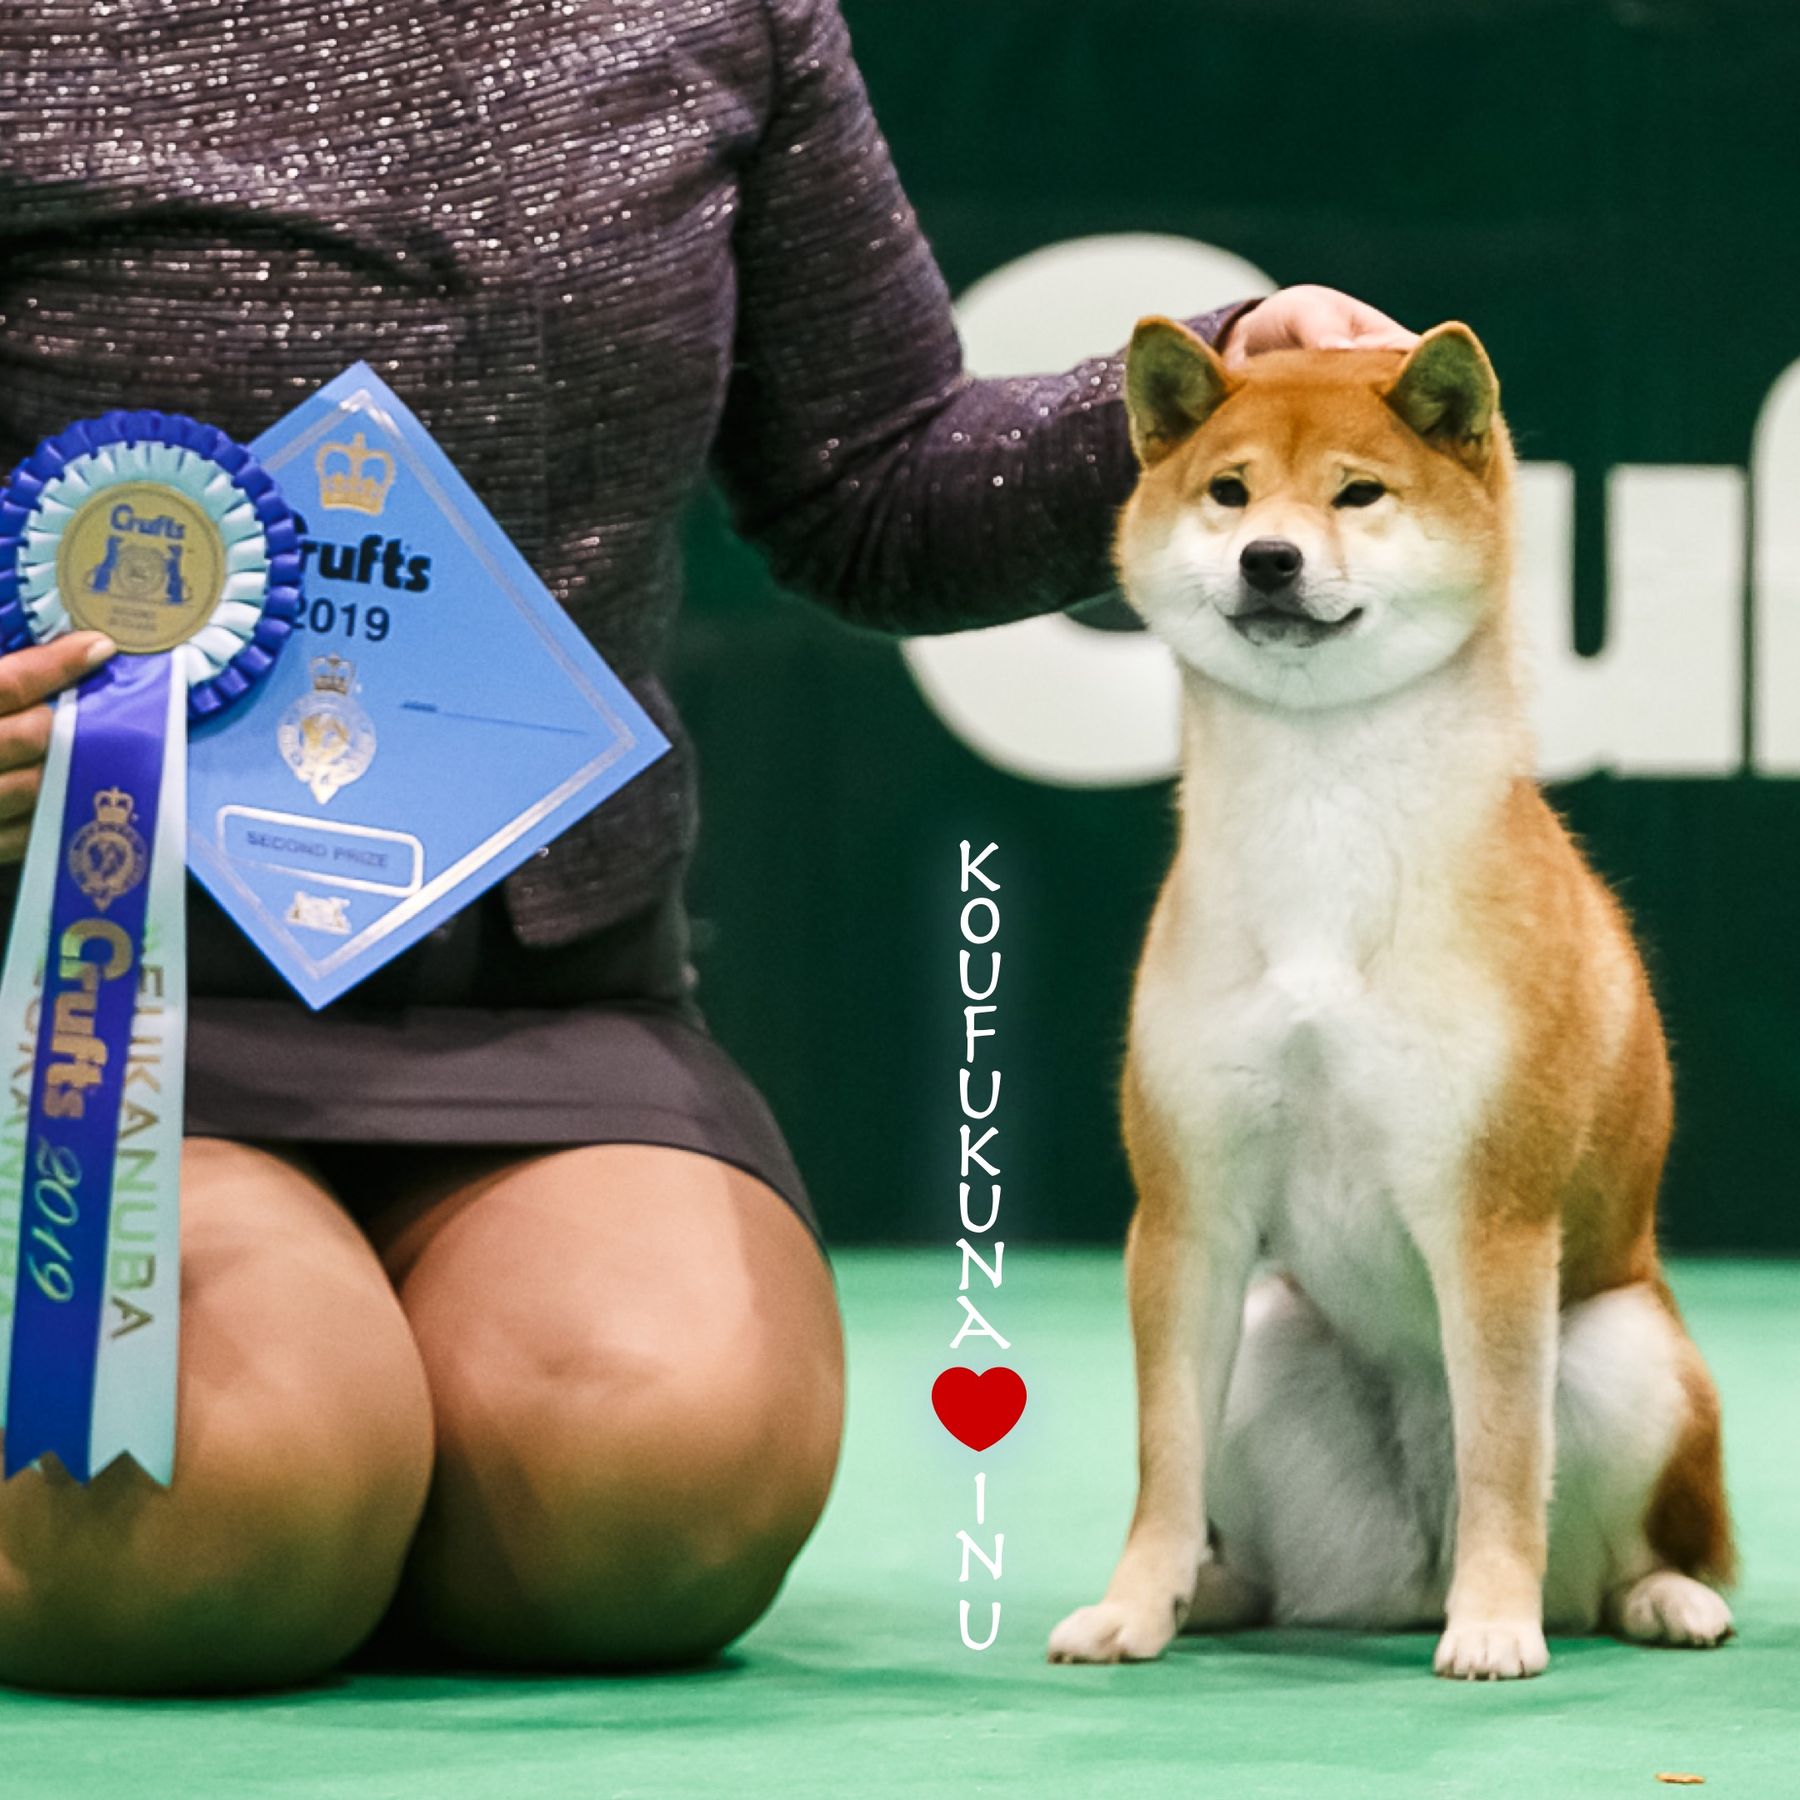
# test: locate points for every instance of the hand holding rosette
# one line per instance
(29, 680)
(169, 538)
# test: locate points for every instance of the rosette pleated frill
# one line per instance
(168, 536)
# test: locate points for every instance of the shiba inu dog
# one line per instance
(1391, 1045)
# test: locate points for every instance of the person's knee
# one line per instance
(303, 1452)
(261, 1570)
(609, 1508)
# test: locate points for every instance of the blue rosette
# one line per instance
(258, 600)
(172, 539)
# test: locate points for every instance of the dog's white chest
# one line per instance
(1331, 1104)
(1354, 1130)
(1324, 1073)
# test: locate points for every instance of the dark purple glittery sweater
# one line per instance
(602, 247)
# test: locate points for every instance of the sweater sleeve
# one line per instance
(875, 474)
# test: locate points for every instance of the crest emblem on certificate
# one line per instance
(325, 737)
(107, 857)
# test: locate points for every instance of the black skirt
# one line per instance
(470, 1038)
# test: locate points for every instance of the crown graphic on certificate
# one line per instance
(353, 478)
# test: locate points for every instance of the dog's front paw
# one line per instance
(1492, 1650)
(1113, 1632)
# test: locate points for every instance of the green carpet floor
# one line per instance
(857, 1683)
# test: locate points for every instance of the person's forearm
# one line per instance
(996, 500)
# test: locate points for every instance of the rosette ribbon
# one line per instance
(171, 538)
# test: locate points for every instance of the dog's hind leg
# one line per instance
(1638, 1523)
(1223, 1600)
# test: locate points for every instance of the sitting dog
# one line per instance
(1396, 1099)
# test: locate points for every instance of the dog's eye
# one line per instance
(1360, 493)
(1229, 491)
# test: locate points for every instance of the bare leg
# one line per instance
(301, 1462)
(637, 1369)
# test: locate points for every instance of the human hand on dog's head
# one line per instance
(1312, 318)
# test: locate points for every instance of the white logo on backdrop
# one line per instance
(1054, 701)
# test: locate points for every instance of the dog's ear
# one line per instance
(1172, 382)
(1448, 393)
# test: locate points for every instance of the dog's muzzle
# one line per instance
(1284, 620)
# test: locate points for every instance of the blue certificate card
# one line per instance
(435, 720)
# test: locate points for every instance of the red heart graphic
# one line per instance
(978, 1410)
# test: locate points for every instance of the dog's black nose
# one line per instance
(1270, 563)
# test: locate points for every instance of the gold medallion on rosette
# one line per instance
(143, 563)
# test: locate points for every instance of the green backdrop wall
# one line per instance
(1609, 192)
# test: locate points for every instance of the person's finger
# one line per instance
(1387, 337)
(19, 792)
(1296, 318)
(13, 839)
(1369, 328)
(1298, 325)
(1316, 313)
(25, 737)
(35, 673)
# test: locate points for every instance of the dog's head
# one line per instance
(1321, 526)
